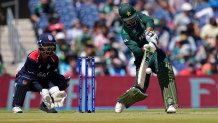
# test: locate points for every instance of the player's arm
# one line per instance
(148, 21)
(55, 91)
(150, 35)
(132, 45)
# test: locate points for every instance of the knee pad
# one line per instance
(21, 89)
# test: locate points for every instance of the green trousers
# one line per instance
(161, 66)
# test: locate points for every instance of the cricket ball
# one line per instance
(148, 71)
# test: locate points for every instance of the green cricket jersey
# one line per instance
(134, 38)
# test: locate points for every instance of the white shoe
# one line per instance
(119, 107)
(171, 109)
(17, 110)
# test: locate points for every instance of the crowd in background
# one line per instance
(187, 31)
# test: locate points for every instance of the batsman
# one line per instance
(140, 38)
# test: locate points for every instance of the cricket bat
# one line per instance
(143, 70)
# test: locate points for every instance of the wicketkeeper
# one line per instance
(141, 40)
(40, 74)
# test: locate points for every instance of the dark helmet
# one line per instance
(47, 43)
(128, 15)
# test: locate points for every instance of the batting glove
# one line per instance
(58, 96)
(152, 38)
(47, 99)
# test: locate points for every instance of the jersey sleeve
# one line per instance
(148, 21)
(31, 68)
(132, 45)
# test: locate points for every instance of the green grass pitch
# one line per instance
(108, 116)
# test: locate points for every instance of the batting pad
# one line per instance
(167, 83)
(132, 96)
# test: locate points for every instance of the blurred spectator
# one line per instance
(72, 61)
(86, 38)
(67, 12)
(175, 5)
(101, 36)
(208, 12)
(100, 67)
(55, 28)
(139, 5)
(116, 68)
(181, 39)
(163, 33)
(157, 10)
(209, 30)
(87, 13)
(181, 49)
(106, 10)
(189, 70)
(74, 32)
(43, 14)
(62, 47)
(184, 18)
(89, 52)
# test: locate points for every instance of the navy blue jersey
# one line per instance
(35, 69)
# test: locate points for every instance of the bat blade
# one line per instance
(142, 69)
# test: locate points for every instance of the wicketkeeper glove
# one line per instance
(58, 96)
(47, 99)
(152, 38)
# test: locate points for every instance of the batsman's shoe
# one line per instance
(44, 108)
(17, 110)
(171, 109)
(119, 107)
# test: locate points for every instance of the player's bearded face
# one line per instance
(132, 22)
(48, 48)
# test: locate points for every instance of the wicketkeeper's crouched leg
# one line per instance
(21, 88)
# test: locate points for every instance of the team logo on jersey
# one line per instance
(125, 40)
(41, 74)
(50, 37)
(128, 13)
(56, 70)
(48, 66)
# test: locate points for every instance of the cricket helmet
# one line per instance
(47, 43)
(128, 15)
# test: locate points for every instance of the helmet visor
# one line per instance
(131, 22)
(48, 48)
